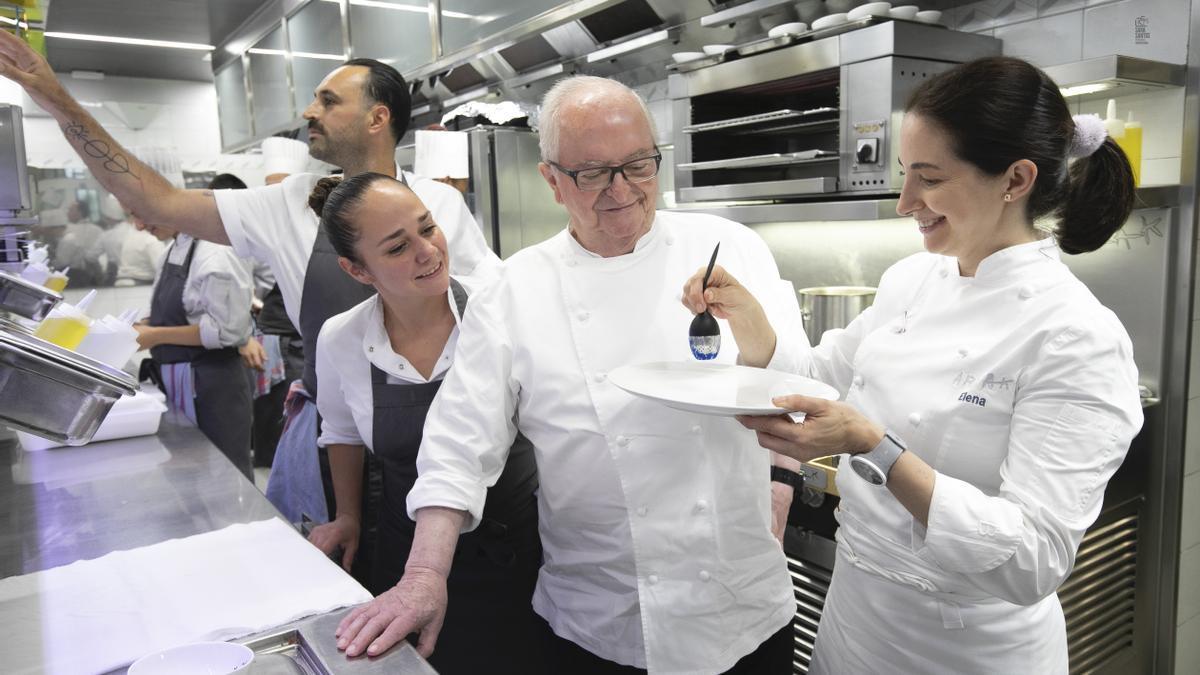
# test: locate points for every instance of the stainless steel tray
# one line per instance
(53, 392)
(773, 159)
(284, 653)
(24, 298)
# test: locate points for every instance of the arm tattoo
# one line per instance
(114, 162)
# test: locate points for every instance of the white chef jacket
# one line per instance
(140, 256)
(217, 293)
(349, 344)
(1020, 390)
(274, 224)
(655, 523)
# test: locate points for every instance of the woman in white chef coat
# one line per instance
(380, 365)
(989, 396)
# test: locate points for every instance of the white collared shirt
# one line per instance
(1020, 390)
(349, 344)
(274, 224)
(655, 522)
(217, 293)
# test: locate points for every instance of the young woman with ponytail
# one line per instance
(380, 365)
(988, 397)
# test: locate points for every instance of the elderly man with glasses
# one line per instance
(656, 524)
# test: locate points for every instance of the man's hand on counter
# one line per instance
(415, 605)
(341, 533)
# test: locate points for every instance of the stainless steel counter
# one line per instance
(62, 505)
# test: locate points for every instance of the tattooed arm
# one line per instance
(142, 190)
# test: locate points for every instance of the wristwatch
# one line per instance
(874, 466)
(787, 477)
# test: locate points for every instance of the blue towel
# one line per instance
(180, 388)
(294, 486)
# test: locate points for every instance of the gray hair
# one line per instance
(568, 89)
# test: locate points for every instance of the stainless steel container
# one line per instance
(53, 392)
(25, 298)
(828, 307)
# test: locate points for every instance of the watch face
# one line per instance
(867, 470)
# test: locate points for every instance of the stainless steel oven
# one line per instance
(813, 114)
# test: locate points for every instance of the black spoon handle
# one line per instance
(711, 261)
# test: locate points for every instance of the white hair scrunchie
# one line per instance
(1089, 135)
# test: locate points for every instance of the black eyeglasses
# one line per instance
(596, 178)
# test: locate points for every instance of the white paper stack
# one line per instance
(93, 616)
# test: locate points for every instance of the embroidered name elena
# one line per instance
(972, 398)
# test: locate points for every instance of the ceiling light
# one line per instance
(406, 8)
(129, 41)
(1082, 89)
(13, 22)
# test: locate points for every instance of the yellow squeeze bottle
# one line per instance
(1131, 143)
(67, 324)
(56, 282)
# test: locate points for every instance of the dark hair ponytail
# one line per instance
(335, 199)
(999, 110)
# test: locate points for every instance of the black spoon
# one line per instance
(704, 335)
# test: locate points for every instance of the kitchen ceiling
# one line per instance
(197, 21)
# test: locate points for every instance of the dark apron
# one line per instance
(268, 409)
(329, 291)
(490, 624)
(223, 402)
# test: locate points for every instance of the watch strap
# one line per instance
(787, 477)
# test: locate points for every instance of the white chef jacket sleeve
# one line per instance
(471, 424)
(218, 297)
(469, 252)
(1076, 411)
(253, 217)
(337, 420)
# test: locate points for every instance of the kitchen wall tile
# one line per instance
(1052, 7)
(1148, 29)
(1015, 11)
(1189, 585)
(976, 16)
(1189, 534)
(1187, 646)
(1160, 171)
(1045, 42)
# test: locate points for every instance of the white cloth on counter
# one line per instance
(1020, 390)
(274, 224)
(93, 616)
(655, 522)
(217, 294)
(349, 344)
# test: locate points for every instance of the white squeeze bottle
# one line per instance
(1114, 125)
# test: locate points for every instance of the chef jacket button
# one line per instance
(622, 441)
(652, 579)
(701, 506)
(371, 349)
(400, 366)
(641, 511)
(697, 429)
(858, 380)
(962, 351)
(943, 272)
(598, 377)
(1026, 292)
(915, 419)
(582, 316)
(704, 575)
(897, 329)
(670, 240)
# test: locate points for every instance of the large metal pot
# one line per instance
(828, 307)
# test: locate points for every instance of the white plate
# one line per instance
(871, 8)
(787, 29)
(908, 12)
(715, 388)
(684, 57)
(201, 658)
(829, 20)
(713, 50)
(929, 16)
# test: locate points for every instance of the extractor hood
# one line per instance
(1115, 75)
